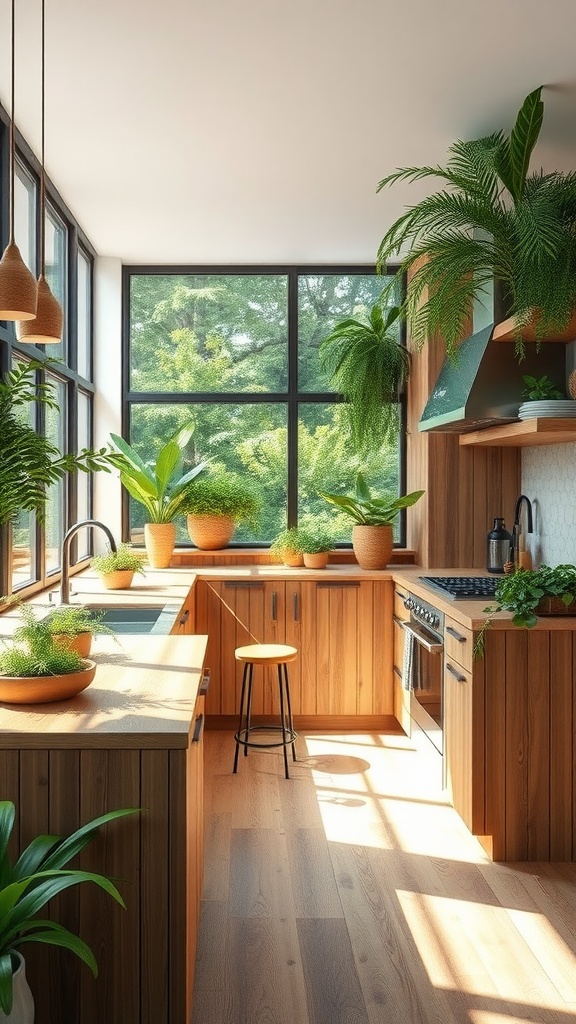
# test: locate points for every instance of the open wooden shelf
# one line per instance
(523, 433)
(506, 331)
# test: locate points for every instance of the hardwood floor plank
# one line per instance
(259, 875)
(217, 836)
(332, 986)
(313, 882)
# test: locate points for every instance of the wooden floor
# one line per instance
(353, 894)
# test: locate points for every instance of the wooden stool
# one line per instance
(265, 654)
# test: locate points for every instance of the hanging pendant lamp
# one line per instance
(18, 289)
(46, 328)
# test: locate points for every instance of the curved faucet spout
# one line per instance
(518, 509)
(65, 553)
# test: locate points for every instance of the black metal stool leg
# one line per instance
(249, 706)
(283, 721)
(290, 720)
(239, 733)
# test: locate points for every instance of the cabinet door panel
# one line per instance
(458, 738)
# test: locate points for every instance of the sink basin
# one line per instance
(136, 618)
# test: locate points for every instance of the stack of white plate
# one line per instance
(560, 408)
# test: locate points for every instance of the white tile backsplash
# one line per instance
(549, 480)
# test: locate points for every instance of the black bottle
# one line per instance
(498, 546)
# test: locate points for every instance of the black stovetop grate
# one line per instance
(462, 586)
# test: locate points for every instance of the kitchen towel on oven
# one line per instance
(409, 665)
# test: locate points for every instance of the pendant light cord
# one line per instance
(12, 147)
(42, 172)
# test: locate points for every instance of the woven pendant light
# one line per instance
(46, 328)
(18, 290)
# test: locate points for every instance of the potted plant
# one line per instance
(160, 489)
(117, 568)
(369, 366)
(372, 534)
(529, 594)
(317, 544)
(495, 222)
(35, 669)
(39, 874)
(214, 505)
(74, 626)
(544, 399)
(289, 545)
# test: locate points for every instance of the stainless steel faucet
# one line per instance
(518, 510)
(517, 541)
(65, 554)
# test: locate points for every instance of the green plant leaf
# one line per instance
(523, 138)
(34, 855)
(75, 842)
(133, 459)
(166, 463)
(6, 987)
(54, 934)
(7, 816)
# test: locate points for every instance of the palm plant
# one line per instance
(38, 875)
(494, 221)
(369, 366)
(161, 489)
(29, 462)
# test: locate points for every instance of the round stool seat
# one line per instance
(266, 654)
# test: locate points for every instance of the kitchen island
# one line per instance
(132, 739)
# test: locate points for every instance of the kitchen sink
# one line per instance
(124, 618)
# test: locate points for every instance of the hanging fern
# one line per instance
(494, 221)
(369, 367)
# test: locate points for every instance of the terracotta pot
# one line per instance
(292, 558)
(121, 579)
(209, 533)
(23, 1004)
(373, 546)
(44, 689)
(82, 643)
(159, 540)
(316, 560)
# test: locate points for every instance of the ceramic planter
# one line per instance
(292, 558)
(210, 533)
(316, 560)
(23, 1004)
(45, 689)
(82, 643)
(159, 539)
(372, 546)
(121, 579)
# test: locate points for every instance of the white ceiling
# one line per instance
(190, 131)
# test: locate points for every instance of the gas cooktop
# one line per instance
(462, 586)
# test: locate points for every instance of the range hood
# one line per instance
(482, 385)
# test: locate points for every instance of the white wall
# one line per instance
(108, 382)
(549, 480)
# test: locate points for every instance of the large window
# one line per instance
(30, 551)
(235, 351)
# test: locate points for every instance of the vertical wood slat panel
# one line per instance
(207, 621)
(33, 817)
(10, 790)
(311, 658)
(573, 751)
(561, 754)
(517, 754)
(181, 971)
(110, 779)
(495, 741)
(537, 684)
(383, 649)
(294, 591)
(154, 866)
(64, 813)
(345, 650)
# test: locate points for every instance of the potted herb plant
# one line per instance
(26, 886)
(160, 488)
(372, 533)
(215, 504)
(117, 568)
(36, 669)
(289, 546)
(529, 594)
(544, 399)
(369, 366)
(317, 544)
(493, 220)
(74, 626)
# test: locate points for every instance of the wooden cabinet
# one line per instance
(401, 696)
(461, 751)
(342, 629)
(184, 622)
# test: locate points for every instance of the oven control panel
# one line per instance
(425, 613)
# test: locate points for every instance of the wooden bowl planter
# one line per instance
(45, 689)
(372, 545)
(210, 532)
(159, 540)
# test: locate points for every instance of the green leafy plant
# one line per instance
(39, 874)
(292, 539)
(32, 651)
(316, 540)
(160, 488)
(494, 221)
(366, 509)
(522, 591)
(369, 366)
(224, 494)
(125, 558)
(29, 462)
(71, 620)
(538, 388)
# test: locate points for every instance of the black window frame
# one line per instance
(292, 398)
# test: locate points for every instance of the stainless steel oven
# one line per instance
(423, 673)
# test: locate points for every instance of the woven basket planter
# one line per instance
(372, 546)
(210, 533)
(555, 606)
(119, 580)
(159, 539)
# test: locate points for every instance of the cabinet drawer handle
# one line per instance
(453, 672)
(403, 597)
(295, 606)
(331, 584)
(398, 672)
(457, 636)
(198, 727)
(184, 618)
(205, 683)
(243, 584)
(399, 622)
(274, 606)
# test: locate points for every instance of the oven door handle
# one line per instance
(424, 639)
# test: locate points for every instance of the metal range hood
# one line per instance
(482, 385)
